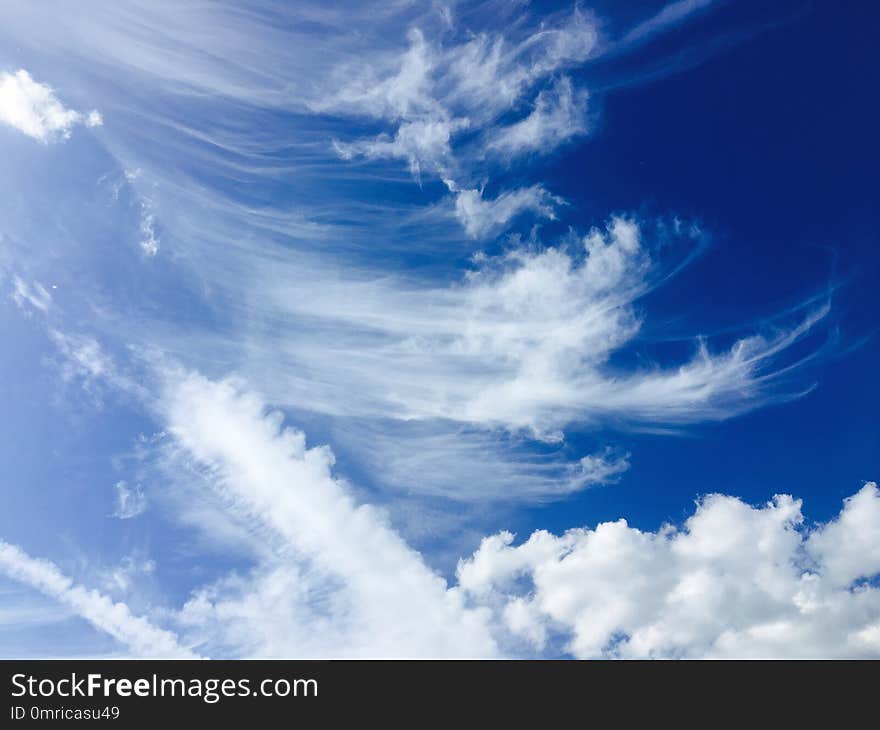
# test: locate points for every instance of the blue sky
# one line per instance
(357, 331)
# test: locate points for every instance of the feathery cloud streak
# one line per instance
(138, 634)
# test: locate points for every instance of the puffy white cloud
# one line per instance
(733, 581)
(33, 109)
(526, 342)
(140, 636)
(849, 547)
(480, 217)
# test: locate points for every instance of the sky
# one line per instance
(439, 329)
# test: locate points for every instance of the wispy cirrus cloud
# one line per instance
(558, 115)
(669, 16)
(430, 92)
(523, 342)
(291, 224)
(30, 297)
(130, 500)
(526, 342)
(733, 580)
(481, 217)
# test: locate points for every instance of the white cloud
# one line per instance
(430, 92)
(33, 109)
(483, 76)
(33, 296)
(83, 357)
(471, 465)
(121, 578)
(558, 115)
(670, 15)
(480, 217)
(733, 581)
(94, 119)
(398, 89)
(600, 468)
(130, 500)
(849, 547)
(525, 345)
(140, 636)
(148, 229)
(84, 360)
(382, 599)
(149, 236)
(420, 143)
(524, 342)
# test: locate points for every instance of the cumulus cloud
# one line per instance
(141, 637)
(525, 344)
(33, 109)
(733, 581)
